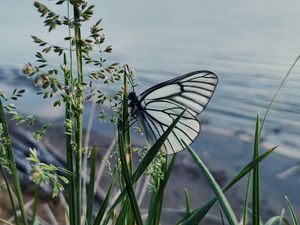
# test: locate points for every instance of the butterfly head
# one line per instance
(133, 99)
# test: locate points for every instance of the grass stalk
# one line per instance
(36, 203)
(70, 161)
(246, 201)
(127, 141)
(69, 149)
(256, 186)
(292, 211)
(12, 163)
(126, 127)
(90, 199)
(187, 202)
(277, 91)
(79, 116)
(14, 209)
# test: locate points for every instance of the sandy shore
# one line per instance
(225, 154)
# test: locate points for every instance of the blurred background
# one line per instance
(249, 45)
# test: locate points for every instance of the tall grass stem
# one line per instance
(12, 162)
(79, 116)
(277, 91)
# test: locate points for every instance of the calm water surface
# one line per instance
(248, 44)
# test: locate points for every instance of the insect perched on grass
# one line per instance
(156, 108)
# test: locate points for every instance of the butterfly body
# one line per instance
(134, 103)
(157, 107)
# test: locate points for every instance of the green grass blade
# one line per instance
(36, 202)
(90, 199)
(125, 124)
(155, 210)
(79, 115)
(277, 219)
(127, 178)
(69, 149)
(277, 91)
(127, 139)
(104, 205)
(122, 215)
(282, 218)
(150, 208)
(198, 214)
(187, 202)
(216, 188)
(222, 217)
(144, 164)
(13, 167)
(293, 214)
(273, 220)
(255, 186)
(246, 201)
(10, 195)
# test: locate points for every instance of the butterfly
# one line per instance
(157, 107)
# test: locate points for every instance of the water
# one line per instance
(249, 45)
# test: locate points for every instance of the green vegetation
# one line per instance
(73, 87)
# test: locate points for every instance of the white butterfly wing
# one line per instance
(164, 102)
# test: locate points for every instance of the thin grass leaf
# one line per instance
(36, 202)
(273, 220)
(90, 199)
(150, 218)
(187, 202)
(127, 178)
(255, 185)
(293, 214)
(198, 214)
(246, 201)
(216, 188)
(79, 116)
(13, 166)
(144, 164)
(122, 215)
(277, 219)
(281, 217)
(155, 210)
(104, 205)
(125, 124)
(10, 195)
(69, 147)
(222, 217)
(5, 222)
(127, 140)
(277, 91)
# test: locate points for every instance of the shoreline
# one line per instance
(225, 153)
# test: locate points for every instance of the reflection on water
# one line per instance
(250, 45)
